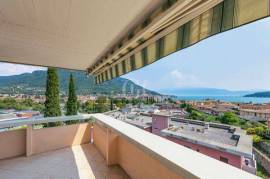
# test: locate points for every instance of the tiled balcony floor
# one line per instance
(71, 163)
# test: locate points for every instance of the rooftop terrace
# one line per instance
(224, 137)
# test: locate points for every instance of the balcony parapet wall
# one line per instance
(140, 153)
(145, 155)
(28, 141)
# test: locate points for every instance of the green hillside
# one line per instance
(265, 94)
(34, 83)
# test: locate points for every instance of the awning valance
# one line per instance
(171, 36)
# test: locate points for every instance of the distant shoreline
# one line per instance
(236, 99)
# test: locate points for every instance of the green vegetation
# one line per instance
(101, 105)
(229, 118)
(258, 146)
(256, 139)
(72, 104)
(188, 108)
(104, 104)
(135, 101)
(260, 133)
(25, 104)
(52, 103)
(89, 106)
(261, 172)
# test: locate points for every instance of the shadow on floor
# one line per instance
(82, 161)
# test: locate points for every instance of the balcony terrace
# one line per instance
(102, 147)
(81, 161)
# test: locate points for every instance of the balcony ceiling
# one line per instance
(109, 38)
(65, 33)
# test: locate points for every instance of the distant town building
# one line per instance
(255, 115)
(255, 106)
(214, 107)
(255, 112)
(168, 106)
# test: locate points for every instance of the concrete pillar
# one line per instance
(29, 132)
(111, 147)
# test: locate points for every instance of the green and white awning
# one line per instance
(225, 15)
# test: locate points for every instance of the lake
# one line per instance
(239, 99)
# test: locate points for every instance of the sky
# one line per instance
(236, 60)
(7, 69)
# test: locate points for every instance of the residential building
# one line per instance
(141, 121)
(160, 121)
(264, 106)
(222, 142)
(255, 115)
(255, 112)
(225, 143)
(215, 107)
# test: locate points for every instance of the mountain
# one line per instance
(35, 82)
(203, 92)
(264, 94)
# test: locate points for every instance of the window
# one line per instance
(224, 159)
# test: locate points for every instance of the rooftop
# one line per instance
(266, 111)
(140, 121)
(214, 136)
(163, 113)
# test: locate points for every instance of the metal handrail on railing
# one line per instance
(22, 122)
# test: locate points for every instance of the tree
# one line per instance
(229, 118)
(183, 105)
(189, 108)
(72, 104)
(251, 131)
(52, 102)
(256, 139)
(111, 104)
(89, 106)
(101, 105)
(27, 102)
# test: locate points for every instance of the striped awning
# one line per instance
(223, 16)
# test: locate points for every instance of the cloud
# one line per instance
(7, 69)
(173, 78)
(177, 74)
(179, 79)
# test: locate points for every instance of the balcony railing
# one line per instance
(140, 153)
